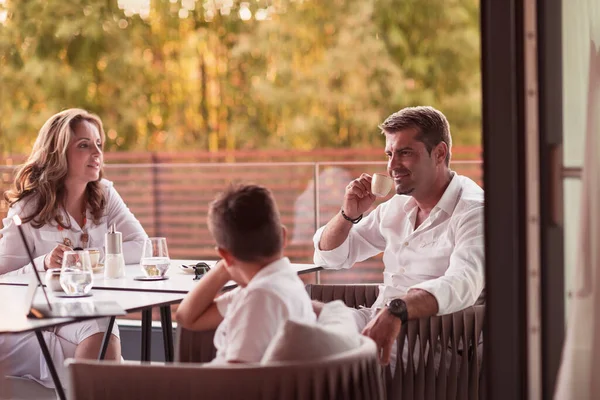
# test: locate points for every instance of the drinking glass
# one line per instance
(155, 257)
(76, 274)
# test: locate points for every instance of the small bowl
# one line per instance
(53, 280)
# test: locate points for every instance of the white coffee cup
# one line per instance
(381, 184)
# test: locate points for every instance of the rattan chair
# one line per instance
(454, 373)
(354, 374)
(447, 350)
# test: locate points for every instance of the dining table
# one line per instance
(15, 304)
(134, 292)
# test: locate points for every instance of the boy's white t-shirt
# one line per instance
(252, 315)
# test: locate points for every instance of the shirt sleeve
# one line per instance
(13, 255)
(364, 240)
(253, 324)
(464, 280)
(224, 301)
(125, 222)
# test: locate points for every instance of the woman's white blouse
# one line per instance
(41, 241)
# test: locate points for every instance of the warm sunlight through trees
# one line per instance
(224, 74)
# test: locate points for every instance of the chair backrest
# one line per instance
(453, 370)
(440, 357)
(194, 346)
(352, 295)
(355, 374)
(455, 373)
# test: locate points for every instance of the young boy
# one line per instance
(245, 224)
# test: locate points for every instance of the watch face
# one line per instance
(398, 308)
(397, 305)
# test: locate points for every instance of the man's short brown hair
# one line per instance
(431, 124)
(244, 220)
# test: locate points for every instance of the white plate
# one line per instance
(151, 278)
(64, 295)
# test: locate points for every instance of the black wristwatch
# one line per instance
(397, 307)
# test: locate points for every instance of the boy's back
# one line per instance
(247, 229)
(253, 314)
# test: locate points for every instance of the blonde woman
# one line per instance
(64, 203)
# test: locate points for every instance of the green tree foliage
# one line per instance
(225, 74)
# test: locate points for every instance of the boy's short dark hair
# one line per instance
(245, 221)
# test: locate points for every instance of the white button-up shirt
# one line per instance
(444, 255)
(252, 315)
(41, 241)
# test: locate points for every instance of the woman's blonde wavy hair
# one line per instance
(42, 177)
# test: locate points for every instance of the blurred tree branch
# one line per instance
(224, 75)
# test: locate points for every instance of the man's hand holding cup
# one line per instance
(362, 192)
(358, 198)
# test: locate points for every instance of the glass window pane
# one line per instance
(572, 204)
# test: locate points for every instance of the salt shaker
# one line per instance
(114, 263)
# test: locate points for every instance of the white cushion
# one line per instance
(334, 333)
(338, 317)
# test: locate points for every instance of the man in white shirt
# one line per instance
(430, 232)
(245, 224)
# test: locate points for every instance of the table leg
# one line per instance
(146, 333)
(106, 338)
(58, 386)
(167, 328)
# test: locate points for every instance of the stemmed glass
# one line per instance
(155, 257)
(76, 276)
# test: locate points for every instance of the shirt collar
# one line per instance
(448, 200)
(410, 204)
(450, 197)
(276, 267)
